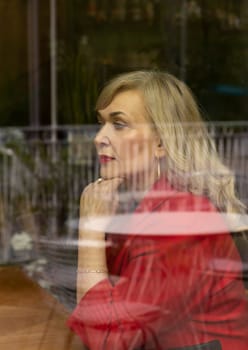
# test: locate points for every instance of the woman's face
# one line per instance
(126, 143)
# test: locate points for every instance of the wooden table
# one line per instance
(30, 318)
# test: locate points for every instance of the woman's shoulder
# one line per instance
(167, 197)
(186, 201)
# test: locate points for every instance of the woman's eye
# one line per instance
(100, 124)
(119, 125)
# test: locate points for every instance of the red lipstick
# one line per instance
(105, 159)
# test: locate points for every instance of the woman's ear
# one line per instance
(160, 150)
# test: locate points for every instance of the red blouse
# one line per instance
(175, 281)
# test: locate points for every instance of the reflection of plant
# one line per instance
(36, 270)
(43, 191)
(21, 241)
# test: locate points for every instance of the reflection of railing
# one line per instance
(6, 165)
(40, 193)
(6, 156)
(52, 186)
(13, 175)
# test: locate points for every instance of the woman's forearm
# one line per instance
(92, 265)
(98, 203)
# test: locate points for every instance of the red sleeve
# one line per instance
(165, 281)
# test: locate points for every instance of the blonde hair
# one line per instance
(191, 161)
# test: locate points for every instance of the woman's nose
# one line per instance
(102, 138)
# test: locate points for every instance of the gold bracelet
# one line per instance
(92, 270)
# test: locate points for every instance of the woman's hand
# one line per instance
(100, 199)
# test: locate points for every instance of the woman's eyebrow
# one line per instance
(111, 115)
(116, 114)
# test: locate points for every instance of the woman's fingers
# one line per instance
(101, 197)
(107, 190)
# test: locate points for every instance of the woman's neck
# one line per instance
(136, 187)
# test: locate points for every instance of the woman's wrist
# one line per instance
(91, 252)
(85, 270)
(94, 223)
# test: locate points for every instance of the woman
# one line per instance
(168, 276)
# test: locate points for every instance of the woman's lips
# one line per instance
(105, 159)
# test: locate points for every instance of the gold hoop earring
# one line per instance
(158, 169)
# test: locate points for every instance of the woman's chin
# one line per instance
(109, 175)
